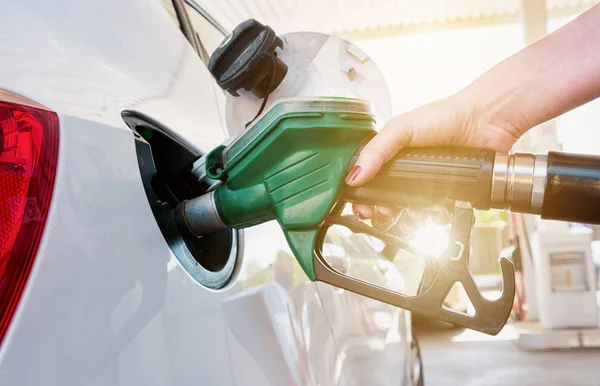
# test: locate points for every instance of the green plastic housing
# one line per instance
(290, 166)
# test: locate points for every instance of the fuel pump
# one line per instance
(289, 162)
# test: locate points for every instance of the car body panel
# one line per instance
(107, 303)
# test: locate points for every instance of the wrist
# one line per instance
(500, 109)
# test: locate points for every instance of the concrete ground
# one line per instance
(453, 356)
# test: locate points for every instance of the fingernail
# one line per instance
(353, 174)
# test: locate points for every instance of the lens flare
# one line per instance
(430, 238)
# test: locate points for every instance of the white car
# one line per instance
(104, 107)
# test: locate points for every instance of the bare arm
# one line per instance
(544, 80)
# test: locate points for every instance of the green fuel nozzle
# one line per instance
(290, 164)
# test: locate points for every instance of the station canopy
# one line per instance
(373, 16)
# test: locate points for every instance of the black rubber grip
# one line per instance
(421, 177)
(572, 188)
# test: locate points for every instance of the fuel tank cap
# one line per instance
(246, 59)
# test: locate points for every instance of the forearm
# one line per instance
(546, 79)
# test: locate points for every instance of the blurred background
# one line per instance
(427, 50)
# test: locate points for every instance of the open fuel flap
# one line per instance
(171, 169)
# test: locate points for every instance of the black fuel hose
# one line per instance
(572, 188)
(559, 186)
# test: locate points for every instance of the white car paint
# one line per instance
(107, 303)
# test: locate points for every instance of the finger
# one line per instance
(387, 212)
(378, 151)
(384, 218)
(363, 211)
(382, 224)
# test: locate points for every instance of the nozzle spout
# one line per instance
(199, 216)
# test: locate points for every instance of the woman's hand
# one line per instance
(454, 121)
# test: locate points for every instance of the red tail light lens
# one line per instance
(28, 155)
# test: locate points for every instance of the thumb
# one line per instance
(379, 150)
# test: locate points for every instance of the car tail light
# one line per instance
(28, 155)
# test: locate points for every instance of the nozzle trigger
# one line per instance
(441, 274)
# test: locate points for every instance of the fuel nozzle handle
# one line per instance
(421, 177)
(559, 186)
